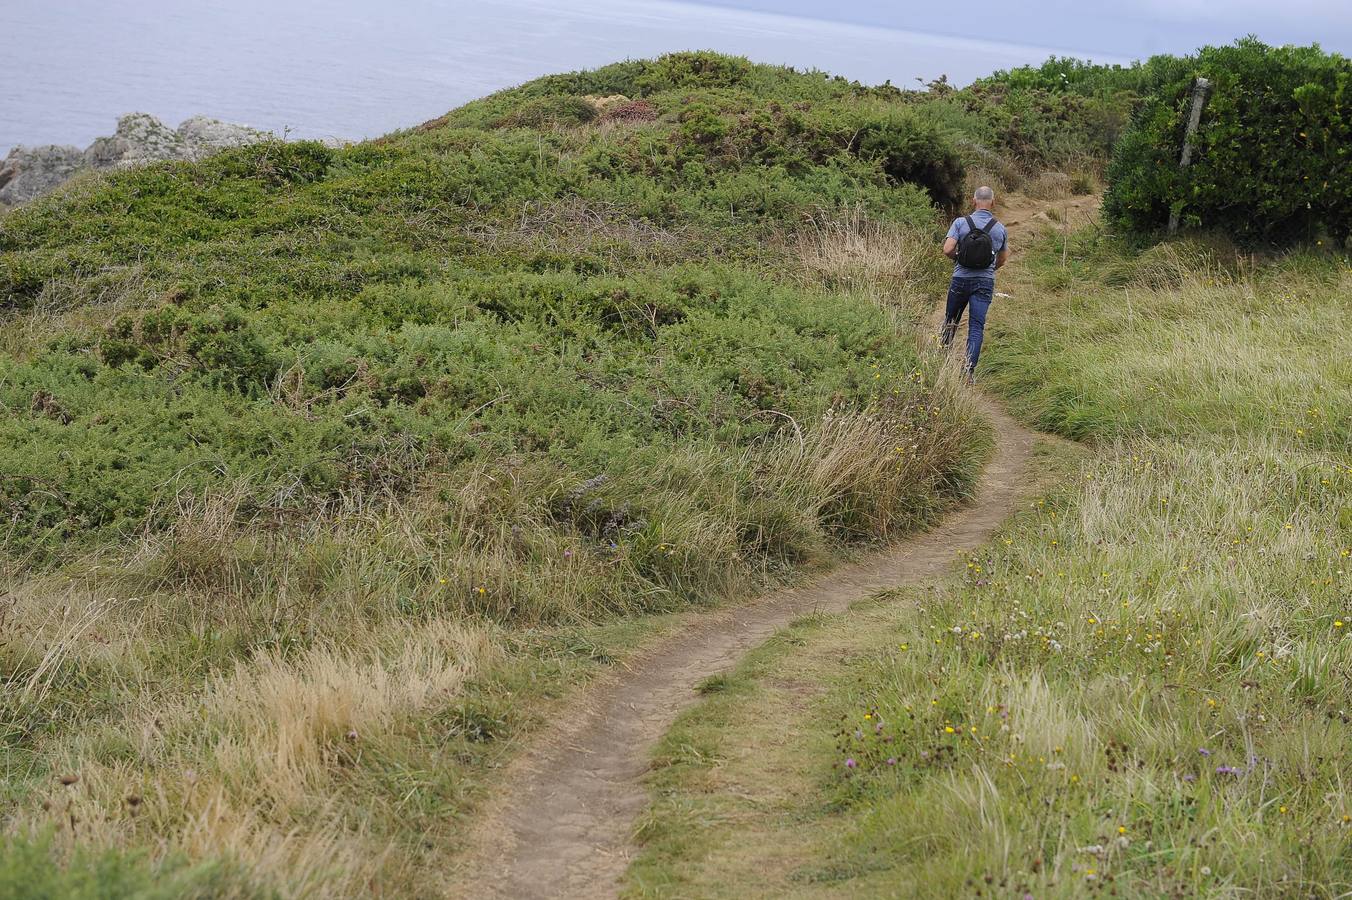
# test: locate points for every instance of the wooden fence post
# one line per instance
(1200, 88)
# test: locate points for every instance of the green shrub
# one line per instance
(701, 69)
(218, 344)
(1044, 128)
(1271, 157)
(911, 152)
(616, 78)
(544, 111)
(1066, 75)
(276, 162)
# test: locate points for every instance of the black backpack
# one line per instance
(976, 250)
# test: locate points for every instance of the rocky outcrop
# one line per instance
(30, 172)
(26, 173)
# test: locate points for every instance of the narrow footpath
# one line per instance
(563, 829)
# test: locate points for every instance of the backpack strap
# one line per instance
(989, 225)
(971, 226)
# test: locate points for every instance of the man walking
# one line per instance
(978, 245)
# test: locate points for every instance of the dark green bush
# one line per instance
(218, 344)
(1067, 75)
(276, 162)
(911, 152)
(1042, 127)
(1272, 155)
(616, 78)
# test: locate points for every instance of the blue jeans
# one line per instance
(962, 292)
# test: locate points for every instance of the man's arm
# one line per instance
(951, 247)
(1003, 256)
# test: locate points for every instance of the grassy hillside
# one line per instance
(325, 471)
(1141, 689)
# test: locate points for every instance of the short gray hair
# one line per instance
(984, 193)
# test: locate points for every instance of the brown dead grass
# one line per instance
(856, 253)
(255, 765)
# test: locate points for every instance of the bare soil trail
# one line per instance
(563, 827)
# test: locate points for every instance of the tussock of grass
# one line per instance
(259, 763)
(858, 253)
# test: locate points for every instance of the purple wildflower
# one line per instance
(1204, 751)
(1227, 770)
(850, 763)
(891, 760)
(1190, 778)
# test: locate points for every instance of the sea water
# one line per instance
(350, 69)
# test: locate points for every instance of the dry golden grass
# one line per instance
(256, 764)
(855, 253)
(72, 304)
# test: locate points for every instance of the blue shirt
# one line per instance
(999, 240)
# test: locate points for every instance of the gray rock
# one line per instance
(29, 172)
(202, 136)
(139, 139)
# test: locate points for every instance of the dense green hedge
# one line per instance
(1272, 155)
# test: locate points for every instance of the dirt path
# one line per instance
(563, 830)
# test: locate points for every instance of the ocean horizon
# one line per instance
(346, 70)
